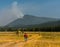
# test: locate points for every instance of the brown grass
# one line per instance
(35, 39)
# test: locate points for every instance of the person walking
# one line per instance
(25, 36)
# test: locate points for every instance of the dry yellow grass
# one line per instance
(35, 39)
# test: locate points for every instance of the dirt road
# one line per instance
(32, 43)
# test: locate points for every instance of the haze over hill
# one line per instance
(29, 20)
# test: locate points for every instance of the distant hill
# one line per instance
(29, 20)
(48, 26)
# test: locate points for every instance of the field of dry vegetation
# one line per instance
(35, 39)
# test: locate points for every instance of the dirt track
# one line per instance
(37, 43)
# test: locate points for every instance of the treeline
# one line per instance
(8, 29)
(49, 26)
(46, 28)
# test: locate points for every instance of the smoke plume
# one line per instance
(10, 13)
(16, 11)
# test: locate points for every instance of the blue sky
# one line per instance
(40, 8)
(44, 8)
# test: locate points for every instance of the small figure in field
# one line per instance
(25, 36)
(17, 33)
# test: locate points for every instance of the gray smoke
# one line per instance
(10, 13)
(16, 11)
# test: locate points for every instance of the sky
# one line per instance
(13, 9)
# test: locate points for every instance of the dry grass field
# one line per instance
(35, 39)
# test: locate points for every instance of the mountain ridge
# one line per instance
(29, 20)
